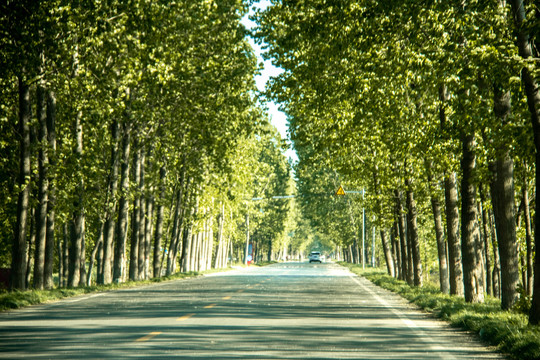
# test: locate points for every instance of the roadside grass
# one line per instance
(507, 330)
(10, 300)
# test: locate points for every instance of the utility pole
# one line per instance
(247, 238)
(373, 249)
(363, 231)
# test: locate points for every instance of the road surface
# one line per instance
(283, 311)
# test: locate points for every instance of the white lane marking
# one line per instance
(410, 324)
(77, 299)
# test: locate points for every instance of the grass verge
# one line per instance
(507, 330)
(18, 299)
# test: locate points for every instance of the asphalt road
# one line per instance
(283, 311)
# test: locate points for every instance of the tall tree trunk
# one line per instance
(528, 237)
(108, 237)
(533, 101)
(412, 234)
(503, 208)
(51, 205)
(121, 224)
(387, 254)
(178, 237)
(452, 213)
(405, 271)
(31, 242)
(135, 219)
(82, 267)
(394, 234)
(175, 230)
(496, 267)
(210, 248)
(452, 231)
(186, 263)
(486, 236)
(142, 218)
(43, 190)
(195, 249)
(97, 247)
(439, 234)
(149, 229)
(19, 248)
(159, 223)
(474, 293)
(60, 246)
(181, 202)
(221, 241)
(387, 248)
(77, 222)
(355, 255)
(65, 256)
(481, 260)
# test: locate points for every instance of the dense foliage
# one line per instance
(132, 142)
(432, 109)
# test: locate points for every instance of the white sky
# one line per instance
(278, 118)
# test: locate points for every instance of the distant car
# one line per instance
(315, 256)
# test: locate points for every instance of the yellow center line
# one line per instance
(185, 317)
(226, 298)
(210, 306)
(149, 336)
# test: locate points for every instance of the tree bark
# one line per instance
(503, 209)
(43, 190)
(528, 237)
(135, 219)
(159, 223)
(387, 254)
(412, 234)
(452, 231)
(141, 254)
(439, 234)
(405, 271)
(533, 101)
(486, 236)
(65, 256)
(149, 229)
(121, 224)
(108, 237)
(496, 267)
(82, 276)
(61, 281)
(19, 248)
(178, 242)
(394, 234)
(97, 246)
(474, 293)
(455, 269)
(31, 242)
(77, 222)
(175, 230)
(186, 263)
(51, 205)
(221, 241)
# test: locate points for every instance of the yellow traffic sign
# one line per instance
(340, 191)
